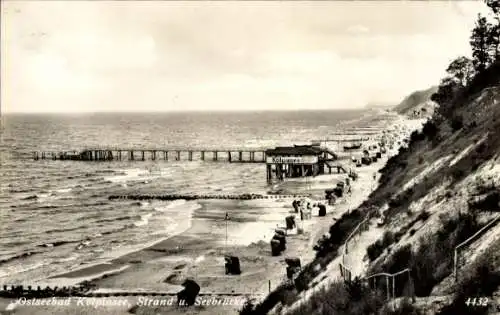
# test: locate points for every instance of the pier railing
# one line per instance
(236, 155)
(231, 155)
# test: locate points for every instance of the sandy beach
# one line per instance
(163, 266)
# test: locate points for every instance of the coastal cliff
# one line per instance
(434, 217)
(415, 101)
(435, 194)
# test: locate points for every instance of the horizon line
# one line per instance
(204, 111)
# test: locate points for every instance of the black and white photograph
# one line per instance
(250, 157)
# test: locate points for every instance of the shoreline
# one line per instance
(159, 246)
(114, 266)
(163, 265)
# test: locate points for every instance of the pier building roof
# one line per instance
(295, 150)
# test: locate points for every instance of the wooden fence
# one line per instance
(356, 232)
(457, 258)
(374, 280)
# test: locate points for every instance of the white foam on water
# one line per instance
(173, 204)
(170, 220)
(64, 190)
(137, 174)
(17, 269)
(144, 220)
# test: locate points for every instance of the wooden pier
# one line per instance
(245, 155)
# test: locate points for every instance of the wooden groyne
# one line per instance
(244, 155)
(342, 139)
(197, 197)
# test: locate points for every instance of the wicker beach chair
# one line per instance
(188, 295)
(232, 265)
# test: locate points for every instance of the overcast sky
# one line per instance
(161, 56)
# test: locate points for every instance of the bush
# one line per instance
(247, 308)
(424, 215)
(489, 203)
(342, 298)
(458, 173)
(416, 136)
(404, 198)
(376, 249)
(432, 261)
(404, 308)
(457, 123)
(430, 129)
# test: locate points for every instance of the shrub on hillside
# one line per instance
(340, 231)
(402, 199)
(376, 249)
(404, 308)
(430, 129)
(480, 284)
(339, 298)
(458, 174)
(424, 215)
(248, 307)
(431, 262)
(416, 136)
(457, 123)
(491, 202)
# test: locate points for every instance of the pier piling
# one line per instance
(188, 154)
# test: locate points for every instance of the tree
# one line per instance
(493, 41)
(445, 91)
(461, 70)
(494, 5)
(494, 33)
(480, 45)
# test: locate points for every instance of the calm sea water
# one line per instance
(48, 208)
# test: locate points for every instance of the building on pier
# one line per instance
(297, 161)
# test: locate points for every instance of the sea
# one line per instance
(55, 215)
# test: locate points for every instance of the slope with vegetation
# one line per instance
(416, 101)
(438, 192)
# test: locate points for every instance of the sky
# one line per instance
(100, 56)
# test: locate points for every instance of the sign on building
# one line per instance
(292, 160)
